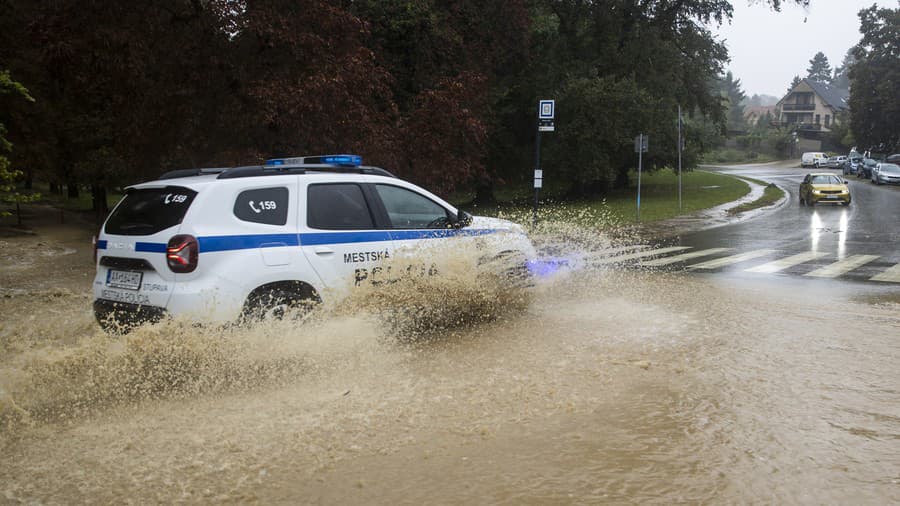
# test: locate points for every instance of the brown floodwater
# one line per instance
(600, 386)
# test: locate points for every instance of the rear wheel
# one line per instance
(276, 301)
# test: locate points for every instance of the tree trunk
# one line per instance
(484, 193)
(622, 178)
(98, 201)
(72, 189)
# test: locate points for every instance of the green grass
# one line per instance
(736, 156)
(659, 198)
(771, 194)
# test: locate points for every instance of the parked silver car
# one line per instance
(886, 173)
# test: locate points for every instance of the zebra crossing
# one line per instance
(645, 256)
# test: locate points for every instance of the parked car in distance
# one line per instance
(835, 162)
(886, 173)
(812, 159)
(824, 187)
(866, 167)
(851, 164)
(895, 158)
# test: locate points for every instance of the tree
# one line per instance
(841, 79)
(8, 175)
(124, 89)
(794, 82)
(618, 69)
(874, 99)
(734, 97)
(819, 68)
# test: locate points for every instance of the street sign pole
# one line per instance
(537, 170)
(546, 115)
(640, 162)
(680, 143)
(640, 147)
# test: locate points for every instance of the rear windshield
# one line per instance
(148, 211)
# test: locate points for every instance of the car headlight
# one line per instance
(817, 192)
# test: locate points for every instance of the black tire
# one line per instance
(277, 301)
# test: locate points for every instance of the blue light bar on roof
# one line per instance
(347, 160)
(341, 160)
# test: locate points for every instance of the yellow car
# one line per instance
(824, 187)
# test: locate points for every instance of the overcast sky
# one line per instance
(769, 48)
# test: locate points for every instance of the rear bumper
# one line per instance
(123, 316)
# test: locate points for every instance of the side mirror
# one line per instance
(463, 219)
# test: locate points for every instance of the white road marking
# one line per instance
(891, 275)
(784, 263)
(685, 256)
(733, 259)
(843, 266)
(634, 256)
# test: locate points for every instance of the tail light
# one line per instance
(182, 253)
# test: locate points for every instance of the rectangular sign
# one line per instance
(538, 183)
(641, 143)
(539, 174)
(546, 128)
(546, 109)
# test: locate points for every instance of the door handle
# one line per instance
(321, 250)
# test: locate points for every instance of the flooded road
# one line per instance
(607, 386)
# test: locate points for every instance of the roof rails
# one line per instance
(174, 174)
(278, 170)
(346, 164)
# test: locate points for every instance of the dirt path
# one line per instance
(53, 252)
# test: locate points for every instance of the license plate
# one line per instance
(130, 280)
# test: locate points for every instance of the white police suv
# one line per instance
(219, 245)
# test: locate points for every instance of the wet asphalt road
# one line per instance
(858, 243)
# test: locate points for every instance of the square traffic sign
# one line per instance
(547, 109)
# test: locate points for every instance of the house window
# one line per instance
(818, 117)
(827, 120)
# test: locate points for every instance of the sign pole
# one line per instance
(640, 162)
(546, 114)
(537, 170)
(680, 142)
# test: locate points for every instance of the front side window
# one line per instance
(408, 209)
(337, 206)
(150, 210)
(263, 205)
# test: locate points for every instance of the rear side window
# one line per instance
(151, 210)
(263, 205)
(339, 206)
